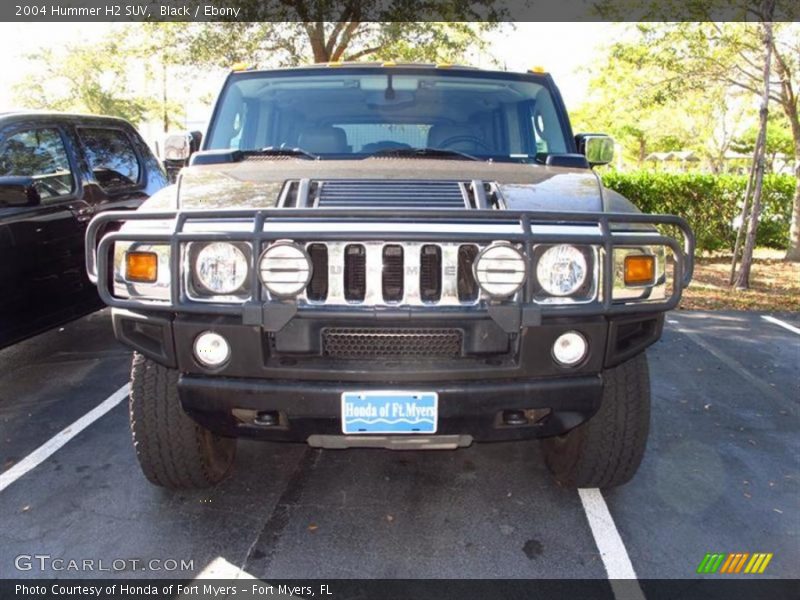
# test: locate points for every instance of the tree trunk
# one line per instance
(316, 37)
(743, 279)
(744, 214)
(793, 253)
(164, 95)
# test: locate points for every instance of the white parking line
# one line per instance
(43, 452)
(219, 568)
(780, 323)
(609, 543)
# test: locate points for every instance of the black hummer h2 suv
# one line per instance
(396, 256)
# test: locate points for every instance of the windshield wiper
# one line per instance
(424, 153)
(273, 151)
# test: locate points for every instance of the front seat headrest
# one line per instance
(323, 140)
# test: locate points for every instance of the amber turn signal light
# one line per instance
(141, 267)
(640, 269)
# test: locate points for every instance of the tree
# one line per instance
(165, 51)
(693, 56)
(291, 32)
(757, 173)
(89, 78)
(779, 140)
(622, 103)
(295, 43)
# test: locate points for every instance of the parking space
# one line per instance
(720, 475)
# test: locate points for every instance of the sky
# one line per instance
(563, 49)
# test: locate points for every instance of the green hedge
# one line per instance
(710, 203)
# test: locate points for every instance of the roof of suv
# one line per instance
(29, 114)
(384, 65)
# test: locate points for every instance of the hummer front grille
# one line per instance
(376, 273)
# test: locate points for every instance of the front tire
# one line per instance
(173, 451)
(606, 451)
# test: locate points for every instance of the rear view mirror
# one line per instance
(598, 148)
(19, 191)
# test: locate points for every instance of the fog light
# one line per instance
(570, 348)
(211, 349)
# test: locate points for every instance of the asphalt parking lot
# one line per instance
(720, 475)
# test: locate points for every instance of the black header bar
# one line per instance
(33, 11)
(419, 589)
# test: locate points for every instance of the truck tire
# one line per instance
(606, 451)
(173, 451)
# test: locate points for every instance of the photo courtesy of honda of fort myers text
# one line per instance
(375, 299)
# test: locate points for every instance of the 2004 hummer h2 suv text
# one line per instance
(396, 256)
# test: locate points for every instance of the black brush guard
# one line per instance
(273, 314)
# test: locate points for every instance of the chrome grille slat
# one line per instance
(335, 274)
(374, 293)
(449, 275)
(412, 262)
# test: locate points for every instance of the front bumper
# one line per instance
(301, 389)
(304, 409)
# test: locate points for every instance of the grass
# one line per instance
(774, 284)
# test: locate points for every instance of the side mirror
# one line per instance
(598, 148)
(19, 191)
(178, 147)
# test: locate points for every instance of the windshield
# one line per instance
(357, 114)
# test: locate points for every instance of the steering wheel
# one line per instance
(457, 139)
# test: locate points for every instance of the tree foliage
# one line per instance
(83, 78)
(292, 32)
(669, 63)
(296, 43)
(619, 102)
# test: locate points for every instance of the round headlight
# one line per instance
(500, 270)
(221, 268)
(285, 269)
(561, 270)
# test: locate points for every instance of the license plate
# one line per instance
(389, 412)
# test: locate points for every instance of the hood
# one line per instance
(257, 182)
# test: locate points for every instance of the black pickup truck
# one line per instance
(393, 256)
(56, 172)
